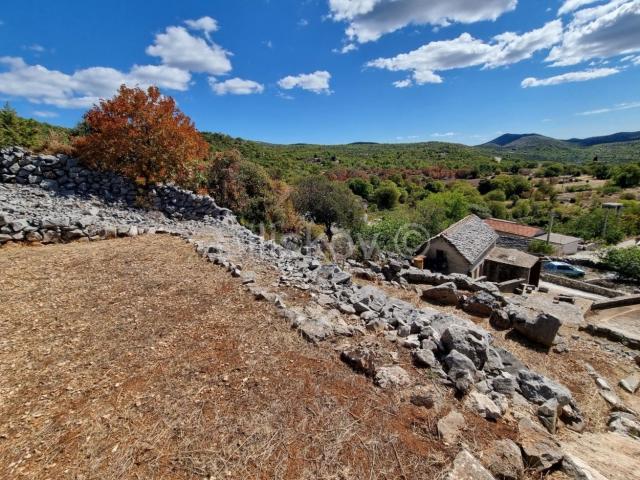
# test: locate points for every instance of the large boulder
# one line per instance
(461, 371)
(537, 326)
(481, 304)
(538, 389)
(471, 341)
(445, 294)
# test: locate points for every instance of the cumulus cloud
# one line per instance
(599, 32)
(368, 20)
(235, 86)
(177, 48)
(443, 135)
(467, 51)
(349, 47)
(84, 87)
(582, 76)
(316, 82)
(616, 108)
(572, 5)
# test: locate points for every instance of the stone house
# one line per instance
(512, 234)
(461, 248)
(505, 264)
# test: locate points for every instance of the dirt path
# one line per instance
(134, 358)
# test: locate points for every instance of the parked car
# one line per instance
(562, 268)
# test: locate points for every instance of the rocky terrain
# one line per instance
(368, 313)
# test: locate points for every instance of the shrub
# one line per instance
(624, 261)
(361, 187)
(387, 196)
(247, 189)
(141, 135)
(327, 203)
(541, 247)
(496, 196)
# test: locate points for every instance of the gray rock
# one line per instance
(578, 469)
(480, 304)
(483, 406)
(425, 358)
(537, 326)
(422, 397)
(445, 294)
(625, 424)
(504, 460)
(467, 467)
(538, 389)
(469, 341)
(548, 414)
(392, 376)
(500, 320)
(461, 370)
(540, 450)
(450, 427)
(631, 383)
(505, 384)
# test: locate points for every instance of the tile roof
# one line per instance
(513, 228)
(471, 237)
(511, 256)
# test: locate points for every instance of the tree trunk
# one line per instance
(328, 232)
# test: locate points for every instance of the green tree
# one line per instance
(327, 203)
(624, 261)
(628, 176)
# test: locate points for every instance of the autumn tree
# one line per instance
(142, 135)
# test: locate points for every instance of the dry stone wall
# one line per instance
(65, 176)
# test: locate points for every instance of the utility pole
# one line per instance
(551, 216)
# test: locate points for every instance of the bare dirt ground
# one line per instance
(134, 358)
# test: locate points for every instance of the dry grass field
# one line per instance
(136, 359)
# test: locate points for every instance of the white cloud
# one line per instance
(179, 49)
(572, 5)
(206, 24)
(603, 31)
(615, 108)
(235, 86)
(444, 135)
(368, 20)
(34, 48)
(466, 51)
(303, 22)
(403, 83)
(84, 87)
(349, 47)
(317, 82)
(582, 76)
(45, 114)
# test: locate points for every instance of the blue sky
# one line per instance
(336, 71)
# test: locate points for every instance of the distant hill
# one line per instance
(618, 147)
(614, 138)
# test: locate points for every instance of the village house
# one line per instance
(461, 248)
(562, 244)
(512, 234)
(469, 247)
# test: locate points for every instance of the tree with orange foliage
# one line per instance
(142, 135)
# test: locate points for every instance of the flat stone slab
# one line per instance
(613, 456)
(620, 324)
